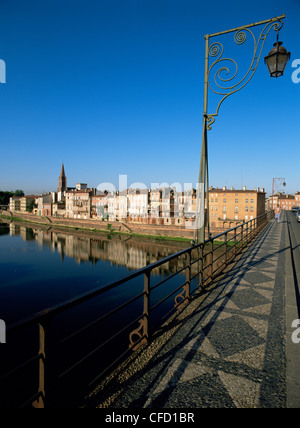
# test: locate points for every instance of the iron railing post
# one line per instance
(201, 267)
(234, 240)
(188, 275)
(242, 235)
(41, 402)
(225, 250)
(211, 259)
(146, 313)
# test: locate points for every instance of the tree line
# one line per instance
(5, 195)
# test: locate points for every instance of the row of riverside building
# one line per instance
(166, 206)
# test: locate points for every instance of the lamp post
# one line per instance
(276, 61)
(277, 183)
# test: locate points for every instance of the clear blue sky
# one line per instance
(116, 87)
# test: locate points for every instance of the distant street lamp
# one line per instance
(277, 183)
(276, 62)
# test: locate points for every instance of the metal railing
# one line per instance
(144, 310)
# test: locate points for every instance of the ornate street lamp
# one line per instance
(222, 78)
(277, 59)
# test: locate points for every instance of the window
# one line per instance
(236, 201)
(236, 209)
(224, 209)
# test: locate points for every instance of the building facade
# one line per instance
(162, 206)
(228, 207)
(21, 203)
(286, 202)
(78, 204)
(138, 204)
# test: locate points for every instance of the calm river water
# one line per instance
(40, 268)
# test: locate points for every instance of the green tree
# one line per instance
(4, 197)
(19, 193)
(31, 206)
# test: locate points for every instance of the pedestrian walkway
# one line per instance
(228, 351)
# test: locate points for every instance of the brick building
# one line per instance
(286, 202)
(228, 207)
(297, 199)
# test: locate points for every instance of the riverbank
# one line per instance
(152, 232)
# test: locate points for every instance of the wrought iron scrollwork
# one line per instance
(139, 334)
(219, 70)
(182, 297)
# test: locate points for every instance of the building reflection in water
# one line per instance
(133, 253)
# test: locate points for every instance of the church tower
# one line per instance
(62, 181)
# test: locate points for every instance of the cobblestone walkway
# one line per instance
(230, 351)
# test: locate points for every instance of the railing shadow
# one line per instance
(204, 302)
(211, 261)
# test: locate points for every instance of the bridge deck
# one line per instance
(228, 351)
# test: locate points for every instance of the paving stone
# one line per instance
(228, 352)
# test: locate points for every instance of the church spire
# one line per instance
(62, 174)
(62, 181)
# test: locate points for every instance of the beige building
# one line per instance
(78, 204)
(44, 205)
(21, 203)
(138, 204)
(100, 206)
(122, 205)
(155, 204)
(15, 204)
(167, 205)
(112, 206)
(59, 209)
